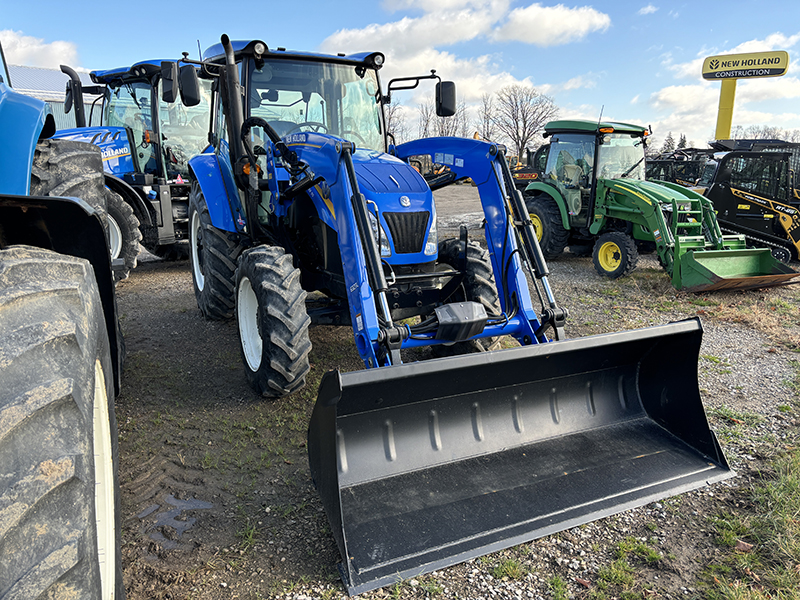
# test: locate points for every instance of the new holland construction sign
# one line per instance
(745, 66)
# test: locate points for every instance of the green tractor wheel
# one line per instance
(615, 255)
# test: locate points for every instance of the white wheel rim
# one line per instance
(197, 269)
(104, 486)
(247, 313)
(114, 237)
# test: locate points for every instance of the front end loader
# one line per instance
(302, 213)
(592, 196)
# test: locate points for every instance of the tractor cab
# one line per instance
(580, 153)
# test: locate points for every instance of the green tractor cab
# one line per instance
(591, 196)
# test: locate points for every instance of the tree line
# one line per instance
(515, 116)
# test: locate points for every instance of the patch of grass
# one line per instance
(247, 534)
(631, 546)
(736, 417)
(509, 568)
(558, 588)
(769, 568)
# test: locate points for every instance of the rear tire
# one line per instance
(59, 498)
(615, 255)
(478, 286)
(273, 322)
(547, 224)
(68, 168)
(213, 258)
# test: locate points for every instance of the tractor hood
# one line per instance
(652, 192)
(112, 141)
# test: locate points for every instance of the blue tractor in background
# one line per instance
(60, 363)
(146, 144)
(303, 212)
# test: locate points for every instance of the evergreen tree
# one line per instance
(669, 143)
(682, 142)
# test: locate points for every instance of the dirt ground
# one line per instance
(217, 498)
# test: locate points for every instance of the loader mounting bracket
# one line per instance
(555, 318)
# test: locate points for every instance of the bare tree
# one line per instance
(486, 118)
(430, 124)
(396, 125)
(522, 112)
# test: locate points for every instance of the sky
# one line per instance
(633, 61)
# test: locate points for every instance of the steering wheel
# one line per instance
(350, 132)
(314, 125)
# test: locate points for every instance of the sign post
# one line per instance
(727, 68)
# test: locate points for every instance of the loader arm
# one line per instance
(509, 232)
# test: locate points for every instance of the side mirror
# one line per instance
(189, 86)
(445, 98)
(169, 82)
(68, 100)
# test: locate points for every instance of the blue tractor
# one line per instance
(303, 212)
(60, 363)
(146, 145)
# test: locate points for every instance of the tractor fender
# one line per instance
(133, 197)
(205, 169)
(537, 187)
(23, 121)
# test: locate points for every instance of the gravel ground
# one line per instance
(748, 378)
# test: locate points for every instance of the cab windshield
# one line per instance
(128, 105)
(295, 95)
(184, 130)
(621, 155)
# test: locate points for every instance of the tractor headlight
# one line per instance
(380, 235)
(432, 245)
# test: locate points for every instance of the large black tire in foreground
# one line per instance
(478, 286)
(213, 258)
(59, 493)
(68, 168)
(273, 322)
(547, 224)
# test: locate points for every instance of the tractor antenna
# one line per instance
(199, 52)
(600, 118)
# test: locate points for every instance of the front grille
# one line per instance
(408, 230)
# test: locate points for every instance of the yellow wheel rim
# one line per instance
(610, 256)
(537, 227)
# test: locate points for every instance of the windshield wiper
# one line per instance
(628, 172)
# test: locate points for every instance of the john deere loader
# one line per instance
(421, 465)
(591, 196)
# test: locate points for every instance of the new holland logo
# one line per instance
(110, 153)
(714, 64)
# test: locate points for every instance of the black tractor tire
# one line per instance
(615, 255)
(123, 233)
(547, 224)
(213, 257)
(478, 286)
(273, 321)
(59, 498)
(69, 168)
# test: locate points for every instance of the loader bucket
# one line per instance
(706, 270)
(429, 464)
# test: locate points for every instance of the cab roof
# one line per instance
(216, 54)
(579, 126)
(142, 70)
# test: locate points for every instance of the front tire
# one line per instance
(546, 219)
(123, 233)
(59, 498)
(478, 286)
(273, 322)
(615, 255)
(213, 257)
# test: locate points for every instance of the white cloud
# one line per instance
(647, 10)
(25, 50)
(551, 25)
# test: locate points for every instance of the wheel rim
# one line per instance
(114, 237)
(196, 244)
(537, 226)
(104, 486)
(247, 312)
(610, 256)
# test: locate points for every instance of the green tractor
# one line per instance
(591, 196)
